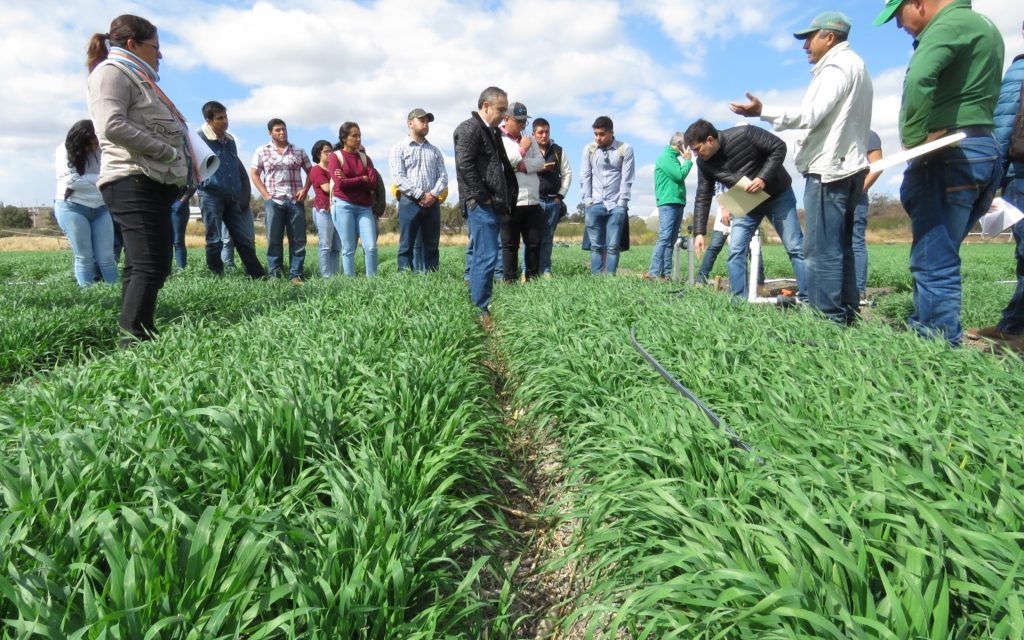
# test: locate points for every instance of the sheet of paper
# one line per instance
(916, 152)
(1001, 216)
(738, 202)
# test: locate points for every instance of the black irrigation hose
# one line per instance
(734, 438)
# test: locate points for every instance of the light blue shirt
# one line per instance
(418, 168)
(606, 174)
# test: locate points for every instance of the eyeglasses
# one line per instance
(156, 47)
(606, 160)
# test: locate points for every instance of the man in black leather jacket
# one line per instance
(487, 190)
(756, 154)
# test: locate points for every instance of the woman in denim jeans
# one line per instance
(79, 206)
(355, 182)
(320, 184)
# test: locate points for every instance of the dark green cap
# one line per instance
(888, 12)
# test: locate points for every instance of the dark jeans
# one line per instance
(291, 216)
(945, 193)
(221, 211)
(179, 222)
(860, 246)
(1013, 315)
(828, 245)
(142, 207)
(416, 225)
(528, 223)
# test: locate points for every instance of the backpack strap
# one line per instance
(341, 162)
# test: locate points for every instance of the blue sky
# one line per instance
(652, 67)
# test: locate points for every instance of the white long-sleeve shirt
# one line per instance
(83, 186)
(836, 111)
(532, 161)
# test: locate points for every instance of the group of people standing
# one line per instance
(952, 87)
(512, 186)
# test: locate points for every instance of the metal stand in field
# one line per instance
(676, 251)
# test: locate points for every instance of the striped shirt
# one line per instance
(281, 172)
(417, 168)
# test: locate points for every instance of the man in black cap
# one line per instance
(417, 167)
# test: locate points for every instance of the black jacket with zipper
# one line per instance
(745, 151)
(482, 168)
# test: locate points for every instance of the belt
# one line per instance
(973, 131)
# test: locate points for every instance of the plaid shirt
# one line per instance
(417, 168)
(281, 172)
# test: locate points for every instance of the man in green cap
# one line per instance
(836, 113)
(951, 86)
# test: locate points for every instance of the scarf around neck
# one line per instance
(136, 66)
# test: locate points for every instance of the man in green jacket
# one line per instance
(951, 86)
(670, 171)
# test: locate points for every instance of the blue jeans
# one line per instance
(225, 218)
(484, 229)
(860, 245)
(1013, 315)
(328, 242)
(604, 228)
(828, 245)
(416, 224)
(290, 215)
(355, 222)
(90, 230)
(711, 254)
(781, 210)
(945, 194)
(551, 210)
(670, 216)
(227, 252)
(419, 257)
(179, 221)
(498, 269)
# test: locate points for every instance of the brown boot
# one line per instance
(991, 333)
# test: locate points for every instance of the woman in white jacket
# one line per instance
(79, 206)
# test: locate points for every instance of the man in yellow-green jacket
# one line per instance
(951, 86)
(670, 171)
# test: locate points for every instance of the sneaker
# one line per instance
(991, 333)
(547, 275)
(296, 281)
